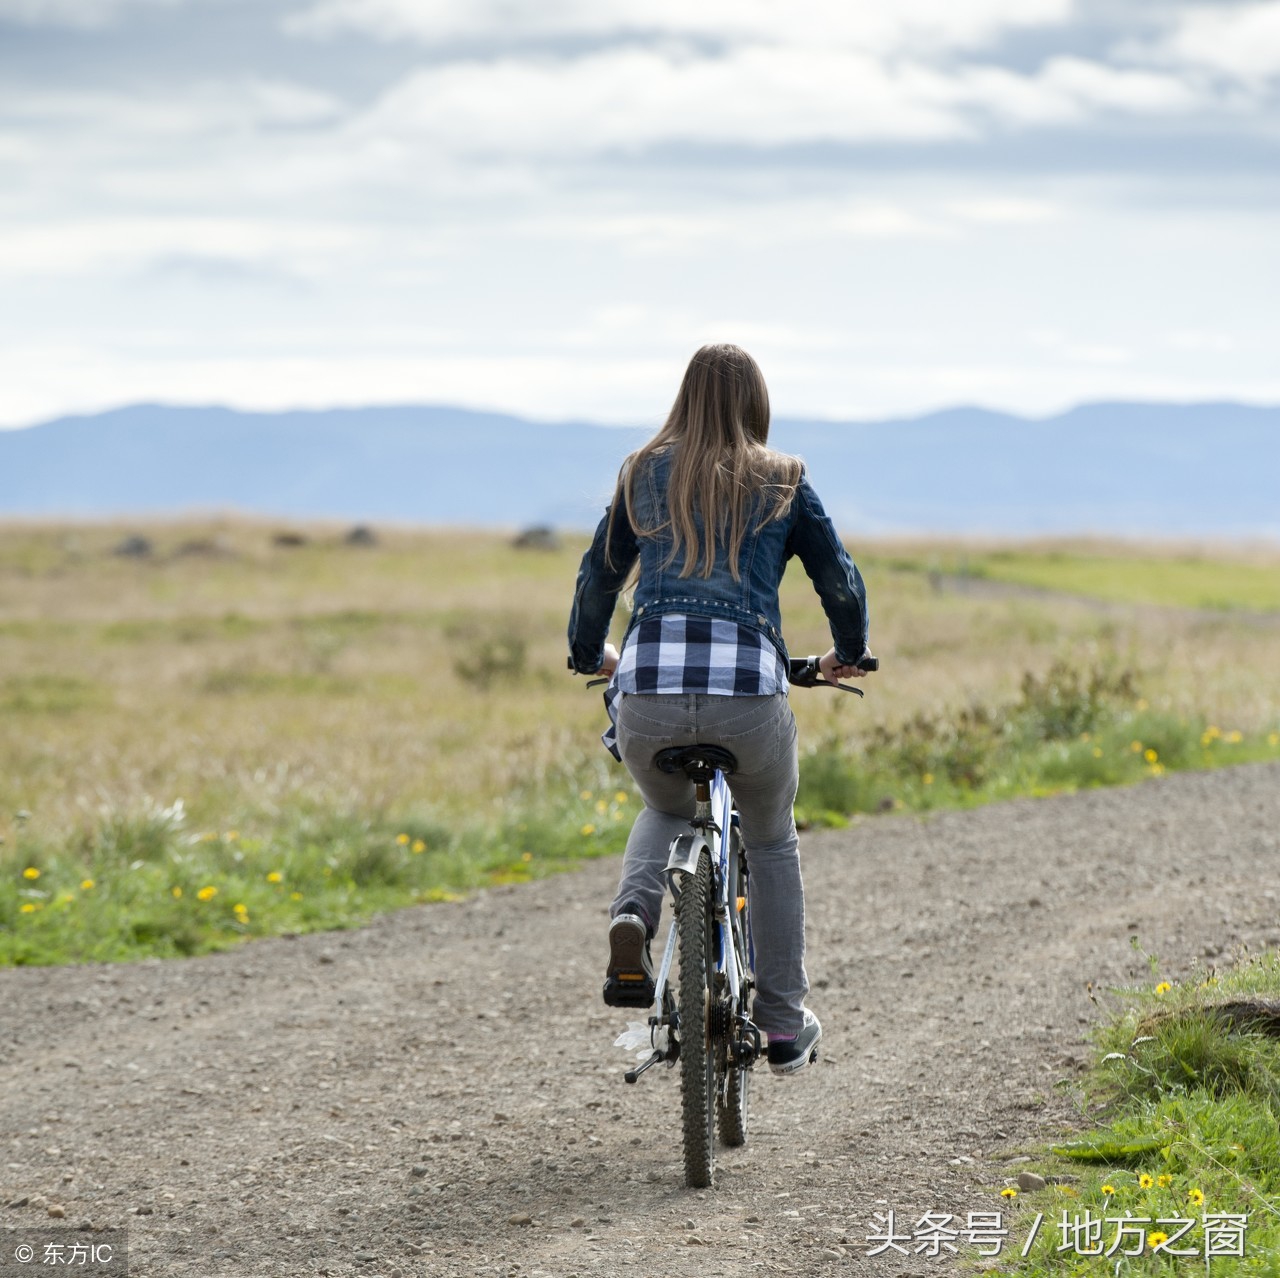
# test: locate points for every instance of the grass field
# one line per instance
(234, 737)
(1222, 579)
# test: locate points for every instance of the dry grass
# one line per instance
(261, 676)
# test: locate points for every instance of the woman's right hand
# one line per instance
(610, 661)
(833, 671)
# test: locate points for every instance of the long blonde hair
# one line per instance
(717, 434)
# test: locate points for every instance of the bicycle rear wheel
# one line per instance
(733, 1079)
(697, 990)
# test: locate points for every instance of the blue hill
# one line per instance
(1135, 469)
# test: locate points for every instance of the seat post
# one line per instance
(702, 797)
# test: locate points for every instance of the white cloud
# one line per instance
(85, 246)
(1070, 91)
(1238, 41)
(918, 25)
(206, 106)
(1003, 210)
(765, 225)
(69, 13)
(630, 99)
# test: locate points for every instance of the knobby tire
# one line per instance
(697, 1058)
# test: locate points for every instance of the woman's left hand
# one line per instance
(833, 671)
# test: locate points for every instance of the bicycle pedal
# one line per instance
(627, 990)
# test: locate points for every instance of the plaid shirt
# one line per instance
(675, 653)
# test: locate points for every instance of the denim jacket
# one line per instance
(805, 530)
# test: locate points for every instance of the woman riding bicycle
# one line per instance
(706, 515)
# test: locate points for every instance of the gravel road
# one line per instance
(437, 1094)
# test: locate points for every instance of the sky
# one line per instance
(544, 206)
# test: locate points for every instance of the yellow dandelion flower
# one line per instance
(1135, 746)
(1157, 1239)
(588, 829)
(1164, 1181)
(207, 893)
(584, 795)
(1108, 1189)
(1157, 769)
(418, 846)
(1084, 736)
(177, 893)
(402, 840)
(1145, 1181)
(622, 796)
(1097, 752)
(927, 778)
(1008, 1192)
(1196, 1196)
(295, 896)
(240, 907)
(29, 907)
(526, 857)
(31, 872)
(601, 807)
(1150, 756)
(1142, 703)
(275, 877)
(65, 898)
(1234, 737)
(1273, 738)
(1163, 988)
(232, 835)
(86, 884)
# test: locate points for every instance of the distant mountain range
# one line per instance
(1131, 469)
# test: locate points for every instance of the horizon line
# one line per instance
(437, 406)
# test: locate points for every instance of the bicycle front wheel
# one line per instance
(697, 1060)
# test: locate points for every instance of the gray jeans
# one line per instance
(761, 732)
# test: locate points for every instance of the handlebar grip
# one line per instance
(869, 664)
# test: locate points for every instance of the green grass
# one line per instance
(1188, 1131)
(149, 882)
(1201, 581)
(42, 694)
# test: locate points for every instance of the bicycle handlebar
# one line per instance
(805, 672)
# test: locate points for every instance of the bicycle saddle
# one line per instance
(697, 762)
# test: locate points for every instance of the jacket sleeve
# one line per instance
(834, 575)
(600, 579)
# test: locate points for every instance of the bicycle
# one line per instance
(703, 1024)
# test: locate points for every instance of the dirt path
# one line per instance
(395, 1100)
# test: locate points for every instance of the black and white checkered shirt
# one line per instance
(676, 653)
